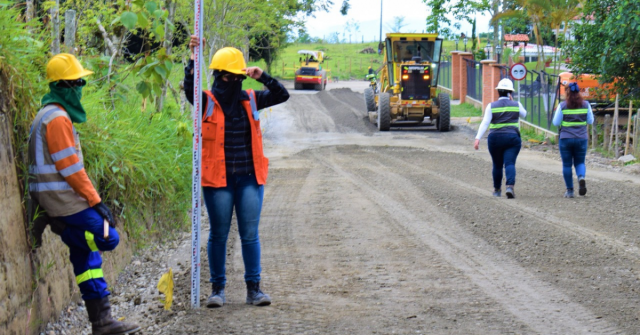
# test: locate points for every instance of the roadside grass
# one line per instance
(139, 160)
(342, 61)
(529, 135)
(465, 110)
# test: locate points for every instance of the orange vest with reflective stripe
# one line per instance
(214, 171)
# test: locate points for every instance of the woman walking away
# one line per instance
(503, 118)
(572, 116)
(234, 168)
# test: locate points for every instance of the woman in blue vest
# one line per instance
(572, 116)
(503, 118)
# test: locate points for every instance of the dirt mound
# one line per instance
(368, 50)
(347, 109)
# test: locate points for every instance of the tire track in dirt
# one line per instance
(599, 275)
(381, 278)
(545, 218)
(520, 292)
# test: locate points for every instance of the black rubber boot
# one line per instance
(255, 296)
(102, 323)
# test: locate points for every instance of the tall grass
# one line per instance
(139, 162)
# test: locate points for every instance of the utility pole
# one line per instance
(380, 21)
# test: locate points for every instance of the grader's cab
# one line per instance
(310, 74)
(408, 83)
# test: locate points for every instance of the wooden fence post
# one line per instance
(606, 132)
(626, 142)
(614, 127)
(636, 143)
(55, 28)
(70, 30)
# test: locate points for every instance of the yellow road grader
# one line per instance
(407, 84)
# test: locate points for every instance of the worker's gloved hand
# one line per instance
(104, 211)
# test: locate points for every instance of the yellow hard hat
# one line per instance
(65, 67)
(229, 59)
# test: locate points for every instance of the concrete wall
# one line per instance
(34, 286)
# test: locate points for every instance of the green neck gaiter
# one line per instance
(69, 98)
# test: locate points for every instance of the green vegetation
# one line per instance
(137, 140)
(530, 135)
(343, 61)
(465, 110)
(140, 161)
(610, 46)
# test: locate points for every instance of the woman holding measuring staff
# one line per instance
(234, 168)
(572, 116)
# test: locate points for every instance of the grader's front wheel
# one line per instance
(444, 118)
(384, 112)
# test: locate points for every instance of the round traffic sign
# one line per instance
(518, 71)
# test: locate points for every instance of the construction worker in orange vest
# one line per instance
(234, 168)
(59, 184)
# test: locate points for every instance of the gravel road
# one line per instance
(367, 232)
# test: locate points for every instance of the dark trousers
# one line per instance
(573, 152)
(504, 149)
(243, 194)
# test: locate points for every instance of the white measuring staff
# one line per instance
(197, 158)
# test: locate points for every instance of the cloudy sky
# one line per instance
(367, 14)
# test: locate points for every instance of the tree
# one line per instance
(351, 26)
(562, 15)
(606, 42)
(461, 10)
(473, 35)
(397, 24)
(538, 13)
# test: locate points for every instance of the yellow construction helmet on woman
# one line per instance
(229, 59)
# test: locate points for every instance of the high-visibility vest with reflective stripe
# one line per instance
(505, 116)
(574, 121)
(213, 159)
(46, 184)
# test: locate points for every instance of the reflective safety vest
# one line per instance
(214, 172)
(574, 121)
(47, 185)
(505, 116)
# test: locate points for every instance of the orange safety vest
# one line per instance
(214, 172)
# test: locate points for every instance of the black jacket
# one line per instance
(275, 93)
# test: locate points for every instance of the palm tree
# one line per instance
(563, 13)
(537, 12)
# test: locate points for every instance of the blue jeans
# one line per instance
(84, 235)
(504, 149)
(243, 193)
(573, 152)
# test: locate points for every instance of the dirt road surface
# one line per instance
(367, 232)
